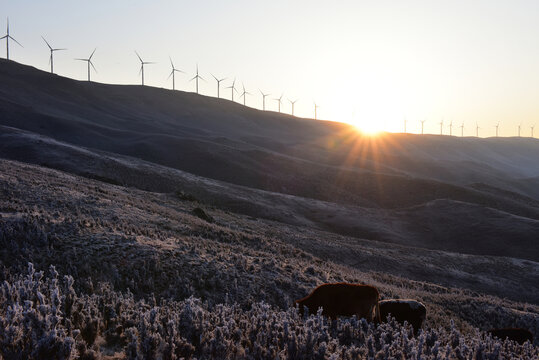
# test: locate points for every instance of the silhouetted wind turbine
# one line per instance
(279, 101)
(519, 129)
(405, 121)
(497, 125)
(7, 37)
(477, 129)
(462, 130)
(451, 128)
(292, 103)
(197, 77)
(442, 127)
(51, 59)
(89, 61)
(233, 88)
(532, 129)
(142, 63)
(172, 72)
(422, 125)
(244, 93)
(218, 83)
(315, 108)
(263, 99)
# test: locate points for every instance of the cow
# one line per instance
(403, 310)
(516, 334)
(343, 299)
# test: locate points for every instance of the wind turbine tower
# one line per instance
(422, 125)
(89, 61)
(142, 63)
(196, 77)
(263, 99)
(451, 128)
(232, 88)
(279, 101)
(7, 37)
(442, 127)
(405, 121)
(519, 130)
(172, 73)
(532, 129)
(51, 59)
(477, 129)
(497, 126)
(315, 108)
(292, 103)
(244, 93)
(218, 84)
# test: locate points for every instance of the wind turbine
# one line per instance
(232, 88)
(519, 130)
(51, 59)
(497, 125)
(442, 126)
(197, 77)
(263, 99)
(532, 129)
(422, 125)
(279, 101)
(315, 108)
(7, 37)
(218, 84)
(293, 103)
(405, 121)
(244, 93)
(89, 61)
(462, 129)
(477, 129)
(172, 72)
(451, 128)
(142, 63)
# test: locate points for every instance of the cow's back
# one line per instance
(516, 334)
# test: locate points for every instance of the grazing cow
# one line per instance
(403, 310)
(342, 299)
(516, 334)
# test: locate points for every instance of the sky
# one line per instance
(370, 63)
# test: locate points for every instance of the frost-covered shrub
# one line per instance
(43, 317)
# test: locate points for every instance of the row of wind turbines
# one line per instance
(232, 87)
(477, 128)
(174, 70)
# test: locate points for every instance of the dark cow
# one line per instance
(342, 299)
(403, 310)
(516, 334)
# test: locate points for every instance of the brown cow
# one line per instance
(403, 310)
(342, 299)
(516, 334)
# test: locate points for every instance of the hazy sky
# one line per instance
(371, 63)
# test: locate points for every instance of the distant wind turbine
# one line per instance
(477, 129)
(173, 72)
(422, 125)
(89, 61)
(51, 59)
(462, 129)
(451, 128)
(405, 121)
(532, 127)
(497, 126)
(293, 103)
(7, 37)
(315, 108)
(218, 84)
(142, 63)
(244, 93)
(263, 99)
(279, 101)
(442, 126)
(196, 77)
(519, 129)
(232, 88)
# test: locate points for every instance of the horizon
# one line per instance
(474, 90)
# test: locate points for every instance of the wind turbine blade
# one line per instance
(58, 49)
(92, 66)
(149, 63)
(178, 70)
(200, 77)
(138, 56)
(171, 63)
(46, 42)
(194, 77)
(90, 58)
(81, 59)
(140, 71)
(15, 40)
(3, 37)
(214, 77)
(172, 72)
